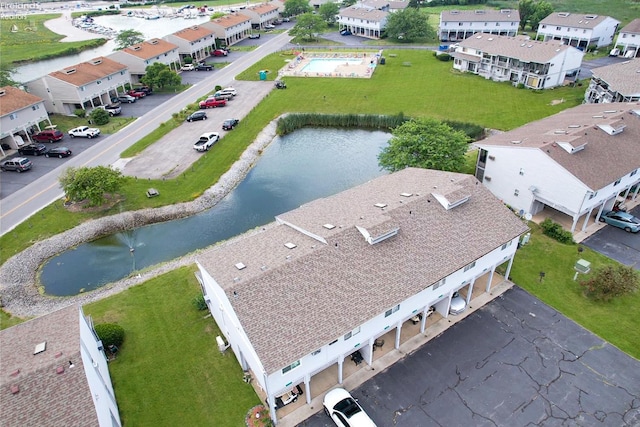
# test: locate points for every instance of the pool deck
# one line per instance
(368, 64)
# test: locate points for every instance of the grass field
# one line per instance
(32, 41)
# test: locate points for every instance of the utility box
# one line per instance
(582, 266)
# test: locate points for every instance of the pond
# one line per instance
(293, 170)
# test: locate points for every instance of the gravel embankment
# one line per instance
(18, 276)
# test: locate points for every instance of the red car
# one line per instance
(137, 93)
(213, 103)
(220, 52)
(52, 135)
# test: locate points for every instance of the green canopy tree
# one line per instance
(542, 10)
(526, 9)
(126, 38)
(308, 26)
(424, 143)
(328, 11)
(408, 25)
(159, 75)
(296, 7)
(90, 184)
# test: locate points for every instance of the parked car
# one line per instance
(112, 109)
(198, 115)
(84, 132)
(225, 96)
(624, 220)
(279, 84)
(458, 304)
(49, 135)
(345, 33)
(269, 26)
(287, 19)
(344, 410)
(213, 103)
(227, 90)
(204, 67)
(146, 89)
(32, 150)
(136, 93)
(254, 35)
(59, 152)
(18, 164)
(229, 124)
(206, 141)
(126, 98)
(220, 52)
(187, 67)
(277, 22)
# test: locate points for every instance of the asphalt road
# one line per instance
(617, 244)
(19, 206)
(515, 362)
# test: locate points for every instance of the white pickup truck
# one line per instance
(84, 132)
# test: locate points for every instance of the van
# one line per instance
(614, 52)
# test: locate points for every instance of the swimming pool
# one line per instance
(328, 65)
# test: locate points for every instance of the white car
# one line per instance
(227, 91)
(206, 141)
(188, 67)
(344, 410)
(458, 304)
(84, 132)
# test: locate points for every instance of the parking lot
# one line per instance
(617, 244)
(515, 362)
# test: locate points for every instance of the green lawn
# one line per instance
(169, 371)
(33, 41)
(426, 88)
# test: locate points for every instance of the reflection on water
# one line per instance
(293, 170)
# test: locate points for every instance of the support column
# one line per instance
(573, 224)
(423, 321)
(470, 290)
(398, 332)
(340, 363)
(488, 287)
(307, 388)
(506, 276)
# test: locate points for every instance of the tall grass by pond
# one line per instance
(293, 122)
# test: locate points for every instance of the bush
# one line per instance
(110, 334)
(473, 131)
(80, 112)
(217, 88)
(200, 303)
(444, 57)
(99, 116)
(611, 281)
(555, 231)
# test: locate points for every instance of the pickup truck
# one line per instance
(213, 103)
(84, 132)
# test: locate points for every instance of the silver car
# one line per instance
(458, 304)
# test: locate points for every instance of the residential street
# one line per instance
(44, 190)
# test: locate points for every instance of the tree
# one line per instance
(347, 3)
(5, 76)
(526, 9)
(424, 143)
(611, 281)
(542, 10)
(308, 26)
(296, 7)
(328, 11)
(99, 116)
(408, 25)
(126, 38)
(90, 184)
(158, 75)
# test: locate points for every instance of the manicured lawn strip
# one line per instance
(7, 320)
(33, 41)
(169, 371)
(64, 123)
(615, 321)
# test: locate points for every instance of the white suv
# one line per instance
(206, 141)
(227, 91)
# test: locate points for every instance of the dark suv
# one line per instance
(230, 124)
(17, 164)
(49, 135)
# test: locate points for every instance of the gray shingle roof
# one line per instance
(291, 302)
(45, 397)
(574, 20)
(484, 15)
(605, 157)
(632, 27)
(623, 77)
(363, 12)
(519, 47)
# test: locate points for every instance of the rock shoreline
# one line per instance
(18, 276)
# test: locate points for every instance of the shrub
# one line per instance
(555, 231)
(199, 303)
(444, 57)
(611, 281)
(473, 131)
(217, 88)
(80, 113)
(110, 334)
(294, 122)
(99, 116)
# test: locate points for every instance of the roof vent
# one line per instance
(517, 141)
(137, 47)
(40, 347)
(406, 194)
(455, 12)
(96, 62)
(380, 205)
(240, 266)
(610, 130)
(574, 126)
(479, 12)
(563, 14)
(15, 389)
(372, 240)
(560, 132)
(70, 71)
(3, 92)
(154, 41)
(505, 11)
(60, 370)
(290, 245)
(478, 37)
(452, 199)
(329, 226)
(591, 16)
(566, 146)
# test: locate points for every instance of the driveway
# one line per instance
(515, 362)
(617, 244)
